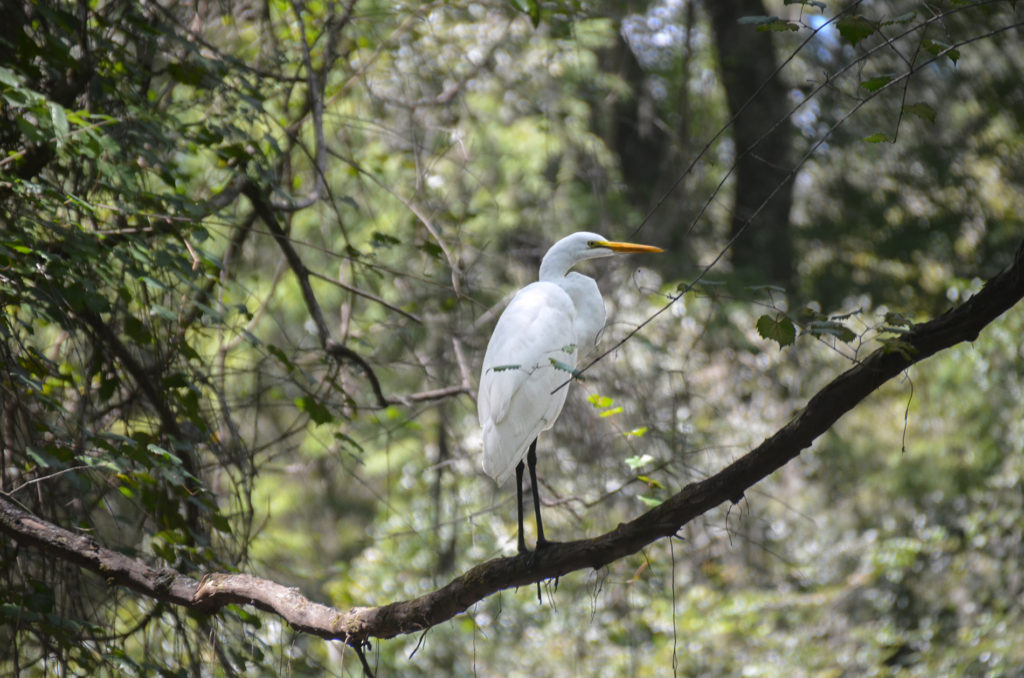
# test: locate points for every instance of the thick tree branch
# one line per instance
(357, 625)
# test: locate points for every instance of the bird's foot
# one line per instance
(544, 543)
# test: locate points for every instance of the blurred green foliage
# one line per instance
(165, 389)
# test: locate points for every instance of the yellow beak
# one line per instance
(626, 247)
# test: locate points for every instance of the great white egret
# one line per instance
(532, 353)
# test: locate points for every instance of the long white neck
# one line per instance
(554, 266)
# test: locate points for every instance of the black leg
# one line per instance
(519, 500)
(531, 462)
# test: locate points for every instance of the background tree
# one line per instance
(756, 96)
(252, 252)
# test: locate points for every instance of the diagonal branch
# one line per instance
(333, 348)
(355, 626)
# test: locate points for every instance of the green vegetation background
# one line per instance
(165, 389)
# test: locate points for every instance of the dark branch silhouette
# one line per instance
(333, 348)
(356, 625)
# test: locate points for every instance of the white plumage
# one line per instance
(547, 326)
(518, 397)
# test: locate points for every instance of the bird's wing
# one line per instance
(526, 360)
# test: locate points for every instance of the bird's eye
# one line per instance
(591, 243)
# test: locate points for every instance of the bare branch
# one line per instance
(333, 348)
(314, 86)
(355, 626)
(435, 394)
(367, 295)
(464, 387)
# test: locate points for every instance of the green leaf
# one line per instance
(349, 441)
(20, 249)
(107, 388)
(281, 356)
(186, 73)
(315, 409)
(779, 26)
(877, 138)
(614, 410)
(898, 319)
(901, 19)
(251, 338)
(245, 616)
(877, 83)
(637, 432)
(600, 401)
(9, 78)
(210, 313)
(433, 249)
(637, 462)
(534, 10)
(853, 29)
(653, 483)
(832, 328)
(164, 454)
(650, 501)
(136, 330)
(565, 367)
(384, 240)
(31, 131)
(769, 288)
(208, 137)
(163, 312)
(921, 110)
(59, 120)
(768, 23)
(235, 151)
(175, 380)
(220, 523)
(44, 460)
(937, 47)
(779, 329)
(757, 19)
(82, 299)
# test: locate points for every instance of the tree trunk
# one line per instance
(756, 97)
(627, 125)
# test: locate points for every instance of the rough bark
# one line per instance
(355, 626)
